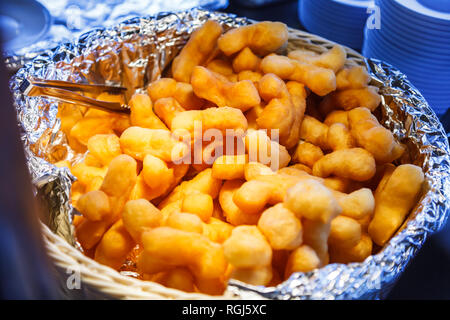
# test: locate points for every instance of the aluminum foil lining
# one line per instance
(136, 51)
(71, 18)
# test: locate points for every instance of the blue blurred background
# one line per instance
(413, 35)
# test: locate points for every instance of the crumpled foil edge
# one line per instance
(404, 111)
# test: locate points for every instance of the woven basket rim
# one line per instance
(115, 285)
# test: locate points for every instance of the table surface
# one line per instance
(428, 275)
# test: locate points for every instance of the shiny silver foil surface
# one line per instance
(135, 52)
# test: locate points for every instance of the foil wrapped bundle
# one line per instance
(135, 52)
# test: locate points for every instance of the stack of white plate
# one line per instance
(415, 37)
(342, 21)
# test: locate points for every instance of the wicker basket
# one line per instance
(101, 282)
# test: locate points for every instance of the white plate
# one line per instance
(22, 22)
(315, 21)
(420, 11)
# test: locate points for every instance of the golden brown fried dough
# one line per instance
(200, 45)
(262, 38)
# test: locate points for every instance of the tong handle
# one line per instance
(92, 88)
(76, 98)
(65, 91)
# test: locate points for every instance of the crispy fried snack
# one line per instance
(315, 235)
(302, 259)
(387, 170)
(307, 153)
(184, 94)
(262, 38)
(336, 136)
(200, 45)
(279, 113)
(333, 59)
(357, 253)
(217, 230)
(69, 114)
(156, 173)
(200, 204)
(138, 142)
(259, 276)
(166, 109)
(247, 248)
(246, 60)
(162, 88)
(229, 167)
(321, 81)
(254, 195)
(119, 181)
(337, 183)
(399, 194)
(223, 67)
(345, 232)
(337, 116)
(88, 127)
(339, 137)
(356, 164)
(254, 169)
(91, 160)
(142, 113)
(203, 182)
(166, 247)
(114, 246)
(104, 148)
(117, 185)
(94, 205)
(120, 121)
(296, 169)
(354, 77)
(373, 137)
(284, 110)
(184, 221)
(213, 286)
(249, 75)
(177, 278)
(352, 98)
(211, 118)
(87, 176)
(261, 149)
(139, 216)
(253, 114)
(219, 90)
(233, 214)
(142, 190)
(298, 97)
(281, 227)
(315, 132)
(312, 200)
(357, 205)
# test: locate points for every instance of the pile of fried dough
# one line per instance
(327, 190)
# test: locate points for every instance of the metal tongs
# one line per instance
(70, 92)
